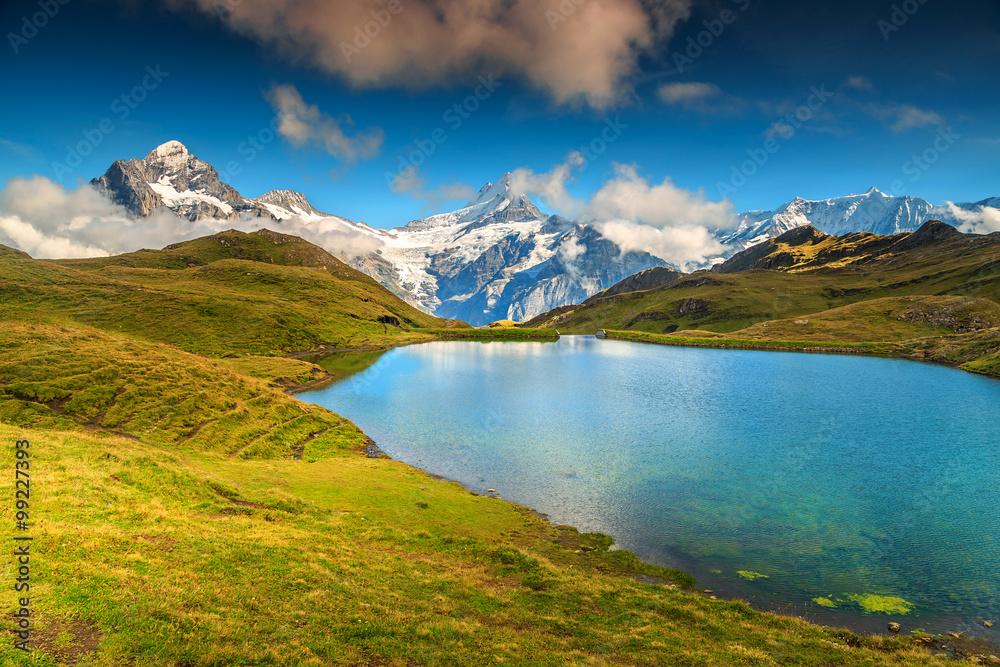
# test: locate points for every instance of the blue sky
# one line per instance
(887, 94)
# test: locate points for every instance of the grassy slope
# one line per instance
(57, 377)
(961, 331)
(221, 305)
(168, 556)
(729, 302)
(886, 319)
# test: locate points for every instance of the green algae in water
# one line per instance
(751, 576)
(825, 602)
(715, 571)
(881, 604)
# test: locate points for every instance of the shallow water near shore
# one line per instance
(779, 478)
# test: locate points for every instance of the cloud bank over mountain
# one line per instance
(673, 223)
(48, 221)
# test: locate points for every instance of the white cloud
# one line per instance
(860, 83)
(570, 250)
(303, 124)
(906, 116)
(411, 181)
(45, 220)
(573, 50)
(685, 246)
(910, 117)
(551, 186)
(631, 197)
(660, 218)
(683, 93)
(699, 97)
(984, 220)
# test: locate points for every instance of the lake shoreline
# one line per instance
(883, 350)
(941, 643)
(958, 647)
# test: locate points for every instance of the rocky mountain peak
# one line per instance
(930, 232)
(171, 177)
(168, 150)
(500, 202)
(490, 191)
(289, 199)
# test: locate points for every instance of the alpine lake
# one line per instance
(850, 490)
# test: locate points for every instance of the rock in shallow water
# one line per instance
(893, 627)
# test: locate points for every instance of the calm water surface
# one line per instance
(831, 475)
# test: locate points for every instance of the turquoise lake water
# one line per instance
(832, 475)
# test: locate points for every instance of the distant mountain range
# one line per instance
(874, 212)
(497, 257)
(810, 272)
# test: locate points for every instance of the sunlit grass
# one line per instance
(172, 557)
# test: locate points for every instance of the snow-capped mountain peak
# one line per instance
(495, 203)
(171, 177)
(290, 200)
(168, 150)
(497, 257)
(492, 191)
(875, 212)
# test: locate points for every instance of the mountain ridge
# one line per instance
(802, 271)
(499, 256)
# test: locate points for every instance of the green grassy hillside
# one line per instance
(149, 555)
(888, 319)
(960, 331)
(60, 378)
(810, 274)
(260, 293)
(186, 511)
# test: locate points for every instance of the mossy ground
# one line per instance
(208, 298)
